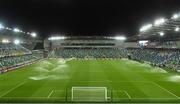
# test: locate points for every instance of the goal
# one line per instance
(89, 94)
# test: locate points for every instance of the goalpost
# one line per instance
(96, 94)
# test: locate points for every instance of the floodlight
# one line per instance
(177, 29)
(120, 38)
(175, 16)
(33, 34)
(28, 33)
(5, 41)
(146, 27)
(7, 28)
(16, 30)
(57, 38)
(159, 21)
(161, 33)
(1, 26)
(16, 41)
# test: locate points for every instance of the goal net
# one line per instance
(90, 94)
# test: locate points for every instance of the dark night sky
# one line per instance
(82, 17)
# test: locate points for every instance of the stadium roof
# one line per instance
(169, 28)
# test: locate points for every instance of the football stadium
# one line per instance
(61, 68)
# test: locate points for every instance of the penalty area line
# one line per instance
(166, 90)
(12, 89)
(50, 94)
(127, 94)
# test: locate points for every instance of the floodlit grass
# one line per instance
(126, 81)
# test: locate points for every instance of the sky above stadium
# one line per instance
(84, 17)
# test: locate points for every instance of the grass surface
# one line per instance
(126, 81)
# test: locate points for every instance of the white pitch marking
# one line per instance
(12, 89)
(50, 94)
(166, 90)
(113, 81)
(127, 94)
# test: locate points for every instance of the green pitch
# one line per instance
(126, 81)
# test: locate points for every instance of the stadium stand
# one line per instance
(16, 49)
(89, 53)
(13, 56)
(159, 57)
(162, 57)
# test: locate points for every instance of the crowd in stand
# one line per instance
(89, 52)
(13, 56)
(158, 57)
(12, 50)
